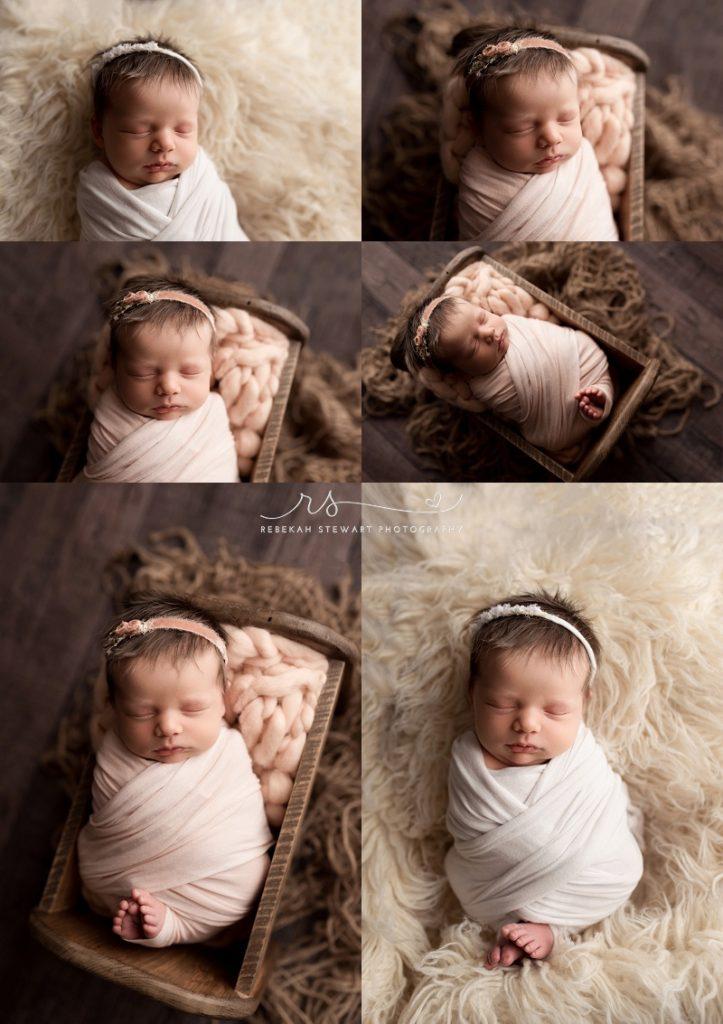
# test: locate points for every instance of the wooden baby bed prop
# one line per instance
(634, 374)
(630, 215)
(216, 982)
(298, 334)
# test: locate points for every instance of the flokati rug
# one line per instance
(280, 114)
(643, 562)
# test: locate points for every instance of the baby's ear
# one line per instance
(96, 130)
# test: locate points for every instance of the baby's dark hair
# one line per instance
(527, 633)
(140, 65)
(482, 75)
(124, 316)
(168, 643)
(425, 352)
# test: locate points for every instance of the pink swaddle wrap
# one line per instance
(124, 446)
(195, 834)
(571, 203)
(535, 384)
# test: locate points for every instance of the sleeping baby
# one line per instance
(159, 421)
(542, 826)
(152, 180)
(531, 175)
(175, 849)
(552, 381)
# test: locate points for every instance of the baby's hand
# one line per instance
(590, 403)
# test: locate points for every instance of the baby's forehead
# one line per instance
(151, 340)
(131, 94)
(145, 675)
(533, 669)
(522, 94)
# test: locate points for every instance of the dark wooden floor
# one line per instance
(684, 39)
(54, 543)
(682, 279)
(50, 309)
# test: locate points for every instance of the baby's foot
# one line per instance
(504, 953)
(536, 940)
(152, 912)
(590, 403)
(140, 917)
(127, 920)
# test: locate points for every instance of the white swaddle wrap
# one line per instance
(125, 447)
(568, 204)
(200, 208)
(194, 834)
(535, 384)
(564, 855)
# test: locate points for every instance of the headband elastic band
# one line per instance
(137, 627)
(122, 49)
(139, 298)
(505, 611)
(507, 49)
(420, 340)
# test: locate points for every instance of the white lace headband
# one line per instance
(505, 611)
(123, 48)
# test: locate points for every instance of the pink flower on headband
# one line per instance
(138, 297)
(497, 49)
(132, 628)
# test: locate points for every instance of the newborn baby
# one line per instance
(153, 181)
(552, 381)
(159, 421)
(543, 845)
(532, 175)
(175, 849)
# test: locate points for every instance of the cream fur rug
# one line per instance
(644, 563)
(280, 115)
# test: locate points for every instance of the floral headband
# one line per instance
(122, 49)
(420, 338)
(505, 611)
(138, 627)
(494, 51)
(140, 298)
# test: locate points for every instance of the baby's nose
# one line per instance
(550, 135)
(527, 721)
(162, 141)
(168, 384)
(168, 724)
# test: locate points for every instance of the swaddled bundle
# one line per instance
(570, 203)
(562, 855)
(535, 384)
(126, 447)
(194, 207)
(194, 833)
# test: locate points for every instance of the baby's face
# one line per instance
(528, 707)
(475, 341)
(169, 712)
(150, 131)
(533, 124)
(164, 371)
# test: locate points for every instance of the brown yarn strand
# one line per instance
(321, 435)
(599, 281)
(683, 145)
(316, 977)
